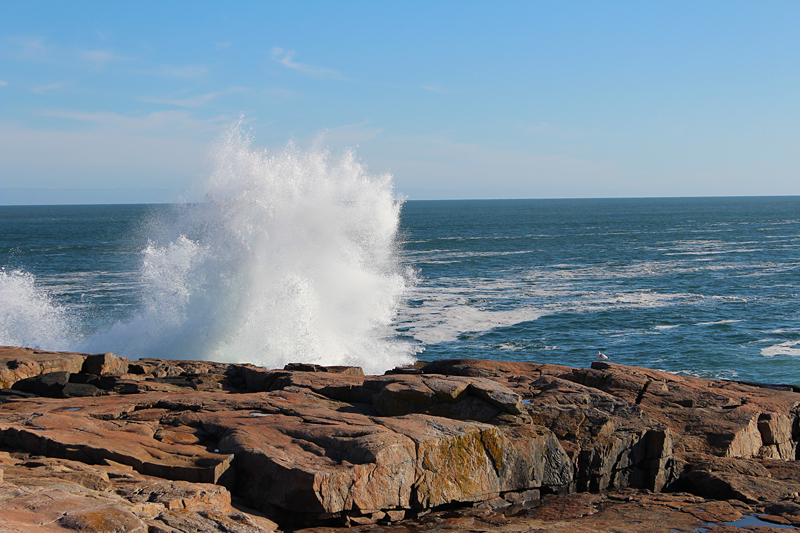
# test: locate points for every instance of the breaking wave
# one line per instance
(29, 316)
(292, 257)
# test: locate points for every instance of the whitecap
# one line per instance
(718, 322)
(784, 348)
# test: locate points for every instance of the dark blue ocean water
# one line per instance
(701, 286)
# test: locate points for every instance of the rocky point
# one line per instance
(98, 443)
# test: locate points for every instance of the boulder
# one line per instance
(64, 495)
(104, 363)
(20, 363)
(730, 478)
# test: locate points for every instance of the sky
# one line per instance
(109, 102)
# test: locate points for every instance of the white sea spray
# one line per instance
(29, 316)
(292, 258)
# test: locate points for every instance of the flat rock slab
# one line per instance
(93, 430)
(45, 494)
(20, 363)
(182, 445)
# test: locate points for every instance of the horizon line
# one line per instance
(78, 203)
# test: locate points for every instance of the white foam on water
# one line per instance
(447, 323)
(452, 308)
(784, 348)
(784, 330)
(730, 298)
(29, 316)
(728, 374)
(643, 269)
(719, 322)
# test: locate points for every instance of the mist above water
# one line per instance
(293, 257)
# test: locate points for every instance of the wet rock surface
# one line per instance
(95, 442)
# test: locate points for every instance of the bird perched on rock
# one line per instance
(601, 355)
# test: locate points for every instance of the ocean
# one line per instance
(305, 256)
(700, 286)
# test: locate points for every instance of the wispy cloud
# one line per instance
(3, 83)
(194, 101)
(184, 72)
(49, 87)
(38, 50)
(30, 49)
(435, 88)
(100, 57)
(349, 134)
(284, 57)
(161, 122)
(221, 45)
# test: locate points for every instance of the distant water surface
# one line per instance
(701, 286)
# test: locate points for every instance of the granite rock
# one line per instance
(159, 445)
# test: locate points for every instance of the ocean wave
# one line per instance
(445, 311)
(785, 348)
(727, 374)
(719, 322)
(294, 256)
(30, 315)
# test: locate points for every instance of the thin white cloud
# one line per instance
(221, 45)
(348, 135)
(161, 122)
(195, 101)
(185, 72)
(3, 83)
(435, 88)
(37, 49)
(284, 57)
(31, 49)
(100, 57)
(49, 87)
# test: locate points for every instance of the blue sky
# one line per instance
(122, 101)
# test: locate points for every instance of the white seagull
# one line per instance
(601, 355)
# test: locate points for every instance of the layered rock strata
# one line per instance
(199, 446)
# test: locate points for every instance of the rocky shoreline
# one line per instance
(98, 443)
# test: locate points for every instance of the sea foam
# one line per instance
(29, 315)
(292, 257)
